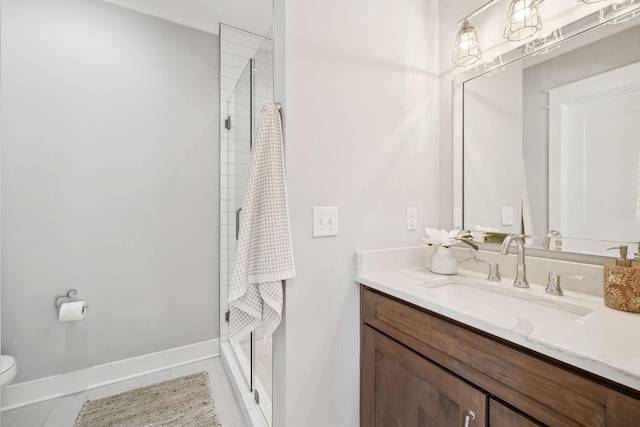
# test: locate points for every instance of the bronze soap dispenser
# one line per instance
(622, 283)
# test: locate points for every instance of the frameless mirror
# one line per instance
(548, 139)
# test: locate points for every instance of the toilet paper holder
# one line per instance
(69, 297)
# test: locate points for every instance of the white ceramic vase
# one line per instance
(443, 261)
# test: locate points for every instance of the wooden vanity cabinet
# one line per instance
(405, 389)
(422, 369)
(502, 416)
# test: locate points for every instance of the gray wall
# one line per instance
(109, 183)
(607, 54)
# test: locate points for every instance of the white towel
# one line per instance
(264, 254)
(527, 222)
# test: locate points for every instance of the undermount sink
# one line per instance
(514, 309)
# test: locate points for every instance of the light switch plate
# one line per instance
(412, 218)
(325, 221)
(507, 215)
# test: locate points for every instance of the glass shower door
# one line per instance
(262, 91)
(253, 355)
(239, 133)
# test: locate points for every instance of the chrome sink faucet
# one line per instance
(521, 269)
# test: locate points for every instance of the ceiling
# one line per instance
(255, 16)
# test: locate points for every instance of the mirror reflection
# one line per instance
(549, 147)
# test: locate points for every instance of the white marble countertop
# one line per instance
(591, 336)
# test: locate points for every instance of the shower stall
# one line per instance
(246, 64)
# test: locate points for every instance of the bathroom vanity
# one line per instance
(458, 351)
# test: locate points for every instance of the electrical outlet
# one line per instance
(507, 215)
(325, 222)
(457, 218)
(412, 218)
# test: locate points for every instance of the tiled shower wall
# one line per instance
(236, 48)
(263, 77)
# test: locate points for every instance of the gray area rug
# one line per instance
(184, 401)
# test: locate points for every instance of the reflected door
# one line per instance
(596, 153)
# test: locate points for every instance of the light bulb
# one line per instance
(467, 41)
(523, 20)
(522, 9)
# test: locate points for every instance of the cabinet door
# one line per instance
(403, 389)
(502, 416)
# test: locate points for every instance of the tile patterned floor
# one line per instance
(62, 412)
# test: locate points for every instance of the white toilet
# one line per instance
(8, 371)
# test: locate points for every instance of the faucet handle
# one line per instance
(553, 285)
(494, 272)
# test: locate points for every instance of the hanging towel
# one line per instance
(527, 222)
(264, 256)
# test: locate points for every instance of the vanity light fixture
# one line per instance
(620, 11)
(523, 20)
(544, 44)
(467, 48)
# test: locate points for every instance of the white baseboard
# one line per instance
(30, 392)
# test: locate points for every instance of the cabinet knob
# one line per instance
(469, 417)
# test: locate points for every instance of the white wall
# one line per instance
(109, 183)
(361, 123)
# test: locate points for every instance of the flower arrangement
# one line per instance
(446, 238)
